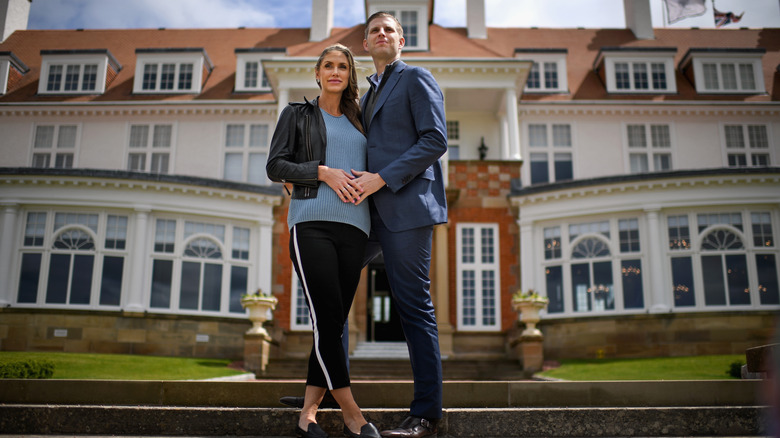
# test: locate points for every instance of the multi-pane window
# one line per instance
(543, 76)
(168, 76)
(597, 279)
(199, 267)
(54, 146)
(453, 139)
(150, 148)
(729, 76)
(246, 151)
(724, 266)
(640, 76)
(253, 78)
(410, 24)
(71, 78)
(80, 262)
(300, 319)
(649, 148)
(551, 152)
(478, 272)
(747, 145)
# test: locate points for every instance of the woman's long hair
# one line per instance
(349, 98)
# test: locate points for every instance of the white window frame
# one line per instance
(396, 10)
(650, 150)
(559, 59)
(54, 150)
(695, 252)
(149, 149)
(648, 59)
(245, 56)
(616, 258)
(754, 59)
(80, 60)
(5, 70)
(196, 58)
(294, 296)
(225, 243)
(550, 149)
(478, 266)
(246, 150)
(749, 150)
(99, 253)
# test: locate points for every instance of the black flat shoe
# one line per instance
(367, 431)
(314, 432)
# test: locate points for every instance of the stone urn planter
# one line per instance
(528, 305)
(259, 305)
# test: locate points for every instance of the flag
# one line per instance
(724, 18)
(677, 10)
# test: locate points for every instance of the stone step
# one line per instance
(473, 409)
(160, 421)
(381, 350)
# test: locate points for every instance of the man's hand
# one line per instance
(344, 184)
(370, 183)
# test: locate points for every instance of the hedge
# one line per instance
(27, 369)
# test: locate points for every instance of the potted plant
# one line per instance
(528, 304)
(260, 304)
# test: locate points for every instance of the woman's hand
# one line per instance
(343, 183)
(369, 183)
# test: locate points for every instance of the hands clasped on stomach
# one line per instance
(352, 187)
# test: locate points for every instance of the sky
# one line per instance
(111, 14)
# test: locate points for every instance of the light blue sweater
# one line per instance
(346, 149)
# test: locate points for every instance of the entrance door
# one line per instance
(384, 323)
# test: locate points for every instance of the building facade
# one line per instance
(629, 175)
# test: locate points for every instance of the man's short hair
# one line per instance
(398, 27)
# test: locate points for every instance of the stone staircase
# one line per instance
(390, 361)
(472, 408)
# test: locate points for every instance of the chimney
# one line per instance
(638, 18)
(321, 19)
(13, 16)
(475, 19)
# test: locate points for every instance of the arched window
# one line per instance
(70, 267)
(724, 268)
(591, 278)
(201, 279)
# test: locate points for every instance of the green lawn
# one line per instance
(127, 367)
(662, 368)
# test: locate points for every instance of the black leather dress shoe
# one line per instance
(367, 431)
(412, 427)
(328, 402)
(314, 431)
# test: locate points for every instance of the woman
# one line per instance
(329, 227)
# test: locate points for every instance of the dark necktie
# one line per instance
(373, 95)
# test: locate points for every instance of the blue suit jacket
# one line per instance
(407, 134)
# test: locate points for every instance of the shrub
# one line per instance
(27, 369)
(735, 369)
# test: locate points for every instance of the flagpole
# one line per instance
(663, 13)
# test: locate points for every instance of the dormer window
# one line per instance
(77, 71)
(413, 17)
(725, 71)
(645, 70)
(171, 70)
(250, 75)
(548, 72)
(11, 70)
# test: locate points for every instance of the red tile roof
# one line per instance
(583, 46)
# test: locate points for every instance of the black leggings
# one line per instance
(328, 257)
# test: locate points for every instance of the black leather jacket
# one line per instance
(298, 148)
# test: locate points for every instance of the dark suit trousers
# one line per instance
(407, 256)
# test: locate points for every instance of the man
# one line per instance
(403, 116)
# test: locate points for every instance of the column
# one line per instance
(7, 238)
(512, 124)
(527, 266)
(655, 259)
(284, 99)
(136, 268)
(442, 289)
(264, 256)
(505, 154)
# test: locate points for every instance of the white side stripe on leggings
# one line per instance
(305, 285)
